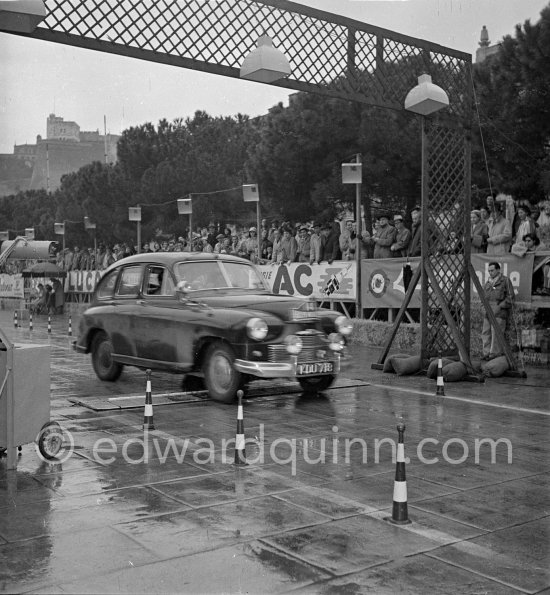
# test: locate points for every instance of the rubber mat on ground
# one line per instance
(259, 388)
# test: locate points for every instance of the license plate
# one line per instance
(314, 368)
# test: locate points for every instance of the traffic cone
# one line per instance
(148, 413)
(70, 326)
(400, 514)
(49, 323)
(15, 320)
(30, 321)
(240, 454)
(440, 390)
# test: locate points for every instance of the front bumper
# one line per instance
(285, 369)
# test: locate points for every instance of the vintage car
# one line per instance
(210, 317)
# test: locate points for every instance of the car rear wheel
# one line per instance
(316, 384)
(221, 379)
(102, 358)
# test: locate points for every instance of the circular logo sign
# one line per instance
(378, 283)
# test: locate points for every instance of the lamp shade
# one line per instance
(351, 173)
(21, 16)
(185, 206)
(250, 193)
(265, 64)
(134, 213)
(426, 98)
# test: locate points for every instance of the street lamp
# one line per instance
(352, 173)
(185, 207)
(59, 229)
(21, 16)
(134, 214)
(252, 194)
(425, 99)
(265, 64)
(87, 226)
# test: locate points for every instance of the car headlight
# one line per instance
(256, 328)
(344, 325)
(336, 342)
(293, 344)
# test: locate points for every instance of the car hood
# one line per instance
(278, 305)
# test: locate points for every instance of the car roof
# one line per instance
(170, 258)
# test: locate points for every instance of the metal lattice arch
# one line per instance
(329, 55)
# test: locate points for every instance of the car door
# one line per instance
(123, 327)
(163, 336)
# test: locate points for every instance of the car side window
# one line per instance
(158, 281)
(107, 285)
(130, 282)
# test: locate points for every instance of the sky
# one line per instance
(38, 78)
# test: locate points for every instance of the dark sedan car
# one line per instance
(208, 316)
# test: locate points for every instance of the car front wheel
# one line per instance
(221, 379)
(316, 384)
(102, 358)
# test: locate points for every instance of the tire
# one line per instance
(102, 358)
(316, 384)
(220, 377)
(50, 440)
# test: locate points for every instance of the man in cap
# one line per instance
(478, 233)
(252, 244)
(211, 237)
(415, 246)
(304, 245)
(402, 237)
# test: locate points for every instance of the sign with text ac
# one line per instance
(323, 281)
(82, 281)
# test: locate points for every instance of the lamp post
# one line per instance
(134, 214)
(425, 99)
(89, 225)
(59, 229)
(352, 173)
(252, 194)
(185, 207)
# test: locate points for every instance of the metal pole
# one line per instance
(191, 229)
(424, 243)
(358, 308)
(258, 228)
(139, 237)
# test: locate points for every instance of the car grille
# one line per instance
(314, 348)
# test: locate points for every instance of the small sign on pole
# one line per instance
(29, 233)
(4, 236)
(184, 206)
(251, 193)
(134, 213)
(88, 224)
(59, 228)
(351, 173)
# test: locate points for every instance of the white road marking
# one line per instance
(463, 399)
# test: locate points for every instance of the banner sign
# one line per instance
(323, 281)
(11, 286)
(82, 281)
(383, 285)
(518, 270)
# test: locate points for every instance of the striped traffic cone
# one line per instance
(30, 321)
(15, 320)
(400, 514)
(70, 332)
(49, 323)
(440, 390)
(148, 413)
(240, 454)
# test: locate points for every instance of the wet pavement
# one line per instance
(168, 511)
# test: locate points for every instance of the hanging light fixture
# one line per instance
(21, 16)
(426, 98)
(265, 64)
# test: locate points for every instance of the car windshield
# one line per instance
(219, 275)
